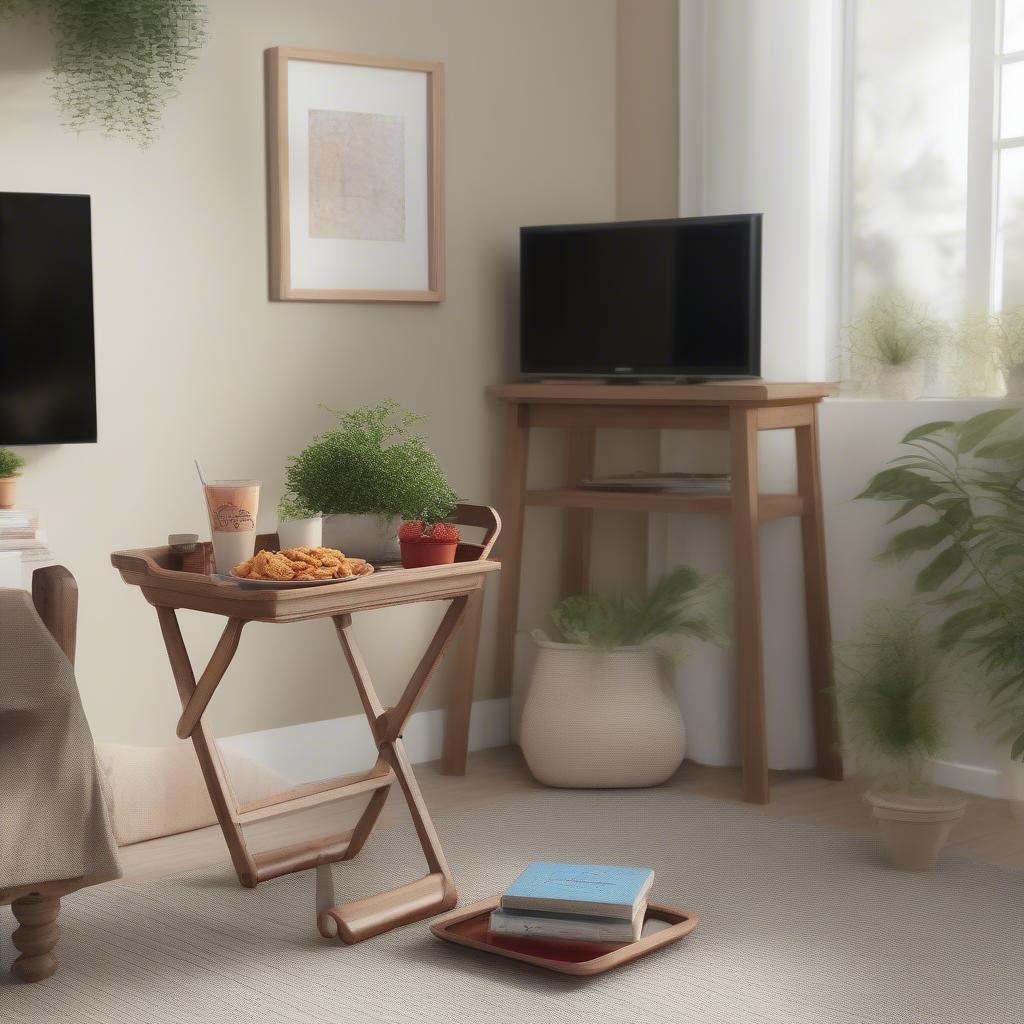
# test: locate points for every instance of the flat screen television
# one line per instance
(663, 298)
(47, 353)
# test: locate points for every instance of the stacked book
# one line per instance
(20, 531)
(594, 903)
(663, 483)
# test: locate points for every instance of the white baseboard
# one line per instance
(967, 777)
(321, 750)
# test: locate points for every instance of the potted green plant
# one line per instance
(601, 708)
(887, 346)
(363, 476)
(424, 544)
(963, 482)
(117, 63)
(890, 698)
(298, 526)
(988, 348)
(11, 465)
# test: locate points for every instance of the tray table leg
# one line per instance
(435, 892)
(217, 784)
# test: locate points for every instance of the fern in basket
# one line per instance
(684, 603)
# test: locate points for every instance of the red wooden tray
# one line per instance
(467, 926)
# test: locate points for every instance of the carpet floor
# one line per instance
(799, 925)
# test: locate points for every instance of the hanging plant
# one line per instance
(118, 62)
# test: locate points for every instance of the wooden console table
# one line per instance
(743, 409)
(461, 584)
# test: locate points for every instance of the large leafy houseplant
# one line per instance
(966, 481)
(373, 462)
(118, 62)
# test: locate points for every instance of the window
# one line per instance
(935, 168)
(1008, 248)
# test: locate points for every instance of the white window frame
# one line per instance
(986, 146)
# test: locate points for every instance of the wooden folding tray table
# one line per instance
(461, 584)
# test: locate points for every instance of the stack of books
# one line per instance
(594, 903)
(20, 531)
(663, 483)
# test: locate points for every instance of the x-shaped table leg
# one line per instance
(434, 893)
(359, 919)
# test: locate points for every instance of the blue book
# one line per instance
(593, 890)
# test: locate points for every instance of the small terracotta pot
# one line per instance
(915, 828)
(418, 553)
(8, 491)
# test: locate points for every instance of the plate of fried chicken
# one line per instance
(298, 567)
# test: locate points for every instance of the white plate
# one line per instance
(282, 584)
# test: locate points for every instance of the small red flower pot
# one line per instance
(418, 553)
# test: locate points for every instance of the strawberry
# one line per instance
(412, 529)
(444, 533)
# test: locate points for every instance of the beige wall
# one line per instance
(193, 359)
(647, 109)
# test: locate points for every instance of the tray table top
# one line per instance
(147, 568)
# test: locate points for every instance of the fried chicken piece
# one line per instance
(271, 565)
(301, 563)
(303, 555)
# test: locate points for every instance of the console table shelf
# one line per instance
(769, 506)
(740, 408)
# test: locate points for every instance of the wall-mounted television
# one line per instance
(47, 351)
(663, 298)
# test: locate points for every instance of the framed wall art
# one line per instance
(356, 177)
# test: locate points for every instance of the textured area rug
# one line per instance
(799, 924)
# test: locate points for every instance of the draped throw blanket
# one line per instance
(53, 822)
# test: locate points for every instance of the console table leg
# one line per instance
(579, 465)
(819, 630)
(749, 653)
(511, 544)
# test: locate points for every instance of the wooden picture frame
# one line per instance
(354, 267)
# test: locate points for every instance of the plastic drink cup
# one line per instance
(232, 505)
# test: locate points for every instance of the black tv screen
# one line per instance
(679, 298)
(47, 354)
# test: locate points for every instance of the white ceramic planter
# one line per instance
(901, 383)
(596, 720)
(301, 533)
(372, 537)
(915, 828)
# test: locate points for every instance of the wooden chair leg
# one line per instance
(819, 628)
(36, 936)
(749, 653)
